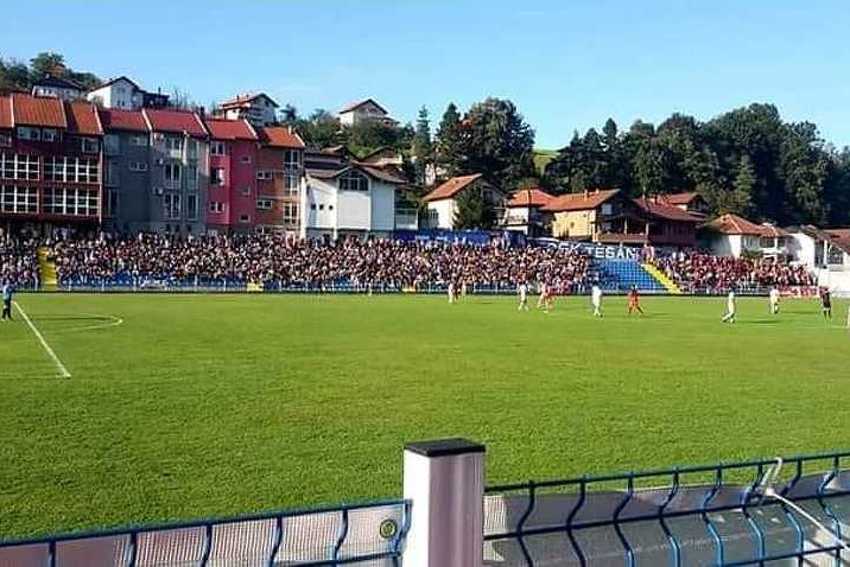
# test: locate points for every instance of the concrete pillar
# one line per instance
(445, 481)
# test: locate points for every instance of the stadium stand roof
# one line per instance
(530, 198)
(452, 187)
(581, 201)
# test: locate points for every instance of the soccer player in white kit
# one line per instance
(773, 297)
(541, 301)
(522, 290)
(451, 291)
(596, 300)
(730, 308)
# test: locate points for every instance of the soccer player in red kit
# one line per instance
(634, 301)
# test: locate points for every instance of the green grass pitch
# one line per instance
(186, 406)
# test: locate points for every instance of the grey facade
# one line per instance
(127, 181)
(179, 181)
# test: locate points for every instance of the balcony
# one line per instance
(406, 219)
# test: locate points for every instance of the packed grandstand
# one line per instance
(276, 262)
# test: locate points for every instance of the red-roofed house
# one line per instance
(280, 180)
(733, 235)
(523, 212)
(232, 198)
(179, 171)
(50, 162)
(442, 200)
(691, 201)
(257, 108)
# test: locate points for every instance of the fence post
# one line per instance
(445, 481)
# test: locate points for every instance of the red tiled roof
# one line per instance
(31, 110)
(357, 104)
(280, 137)
(114, 119)
(230, 129)
(452, 187)
(83, 118)
(175, 121)
(680, 198)
(734, 224)
(580, 201)
(665, 211)
(245, 100)
(539, 198)
(5, 112)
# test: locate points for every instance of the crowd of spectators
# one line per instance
(19, 265)
(703, 273)
(273, 260)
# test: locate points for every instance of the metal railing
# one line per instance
(367, 534)
(700, 515)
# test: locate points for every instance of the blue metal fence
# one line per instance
(703, 515)
(366, 535)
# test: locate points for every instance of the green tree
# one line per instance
(473, 211)
(449, 147)
(320, 130)
(47, 63)
(422, 149)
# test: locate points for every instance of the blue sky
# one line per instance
(566, 64)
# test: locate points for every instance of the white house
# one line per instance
(57, 87)
(442, 201)
(354, 200)
(732, 235)
(363, 111)
(523, 212)
(125, 94)
(257, 108)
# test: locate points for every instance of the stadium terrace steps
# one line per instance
(621, 275)
(47, 269)
(662, 278)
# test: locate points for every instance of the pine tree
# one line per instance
(474, 211)
(449, 150)
(422, 148)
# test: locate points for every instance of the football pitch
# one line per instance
(187, 406)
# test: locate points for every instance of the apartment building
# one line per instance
(232, 199)
(280, 180)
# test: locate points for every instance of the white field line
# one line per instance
(113, 322)
(63, 372)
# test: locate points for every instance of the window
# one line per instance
(766, 242)
(89, 145)
(192, 177)
(18, 199)
(218, 148)
(112, 145)
(216, 207)
(322, 207)
(138, 166)
(192, 207)
(244, 219)
(292, 159)
(112, 173)
(171, 206)
(18, 166)
(27, 133)
(172, 175)
(111, 203)
(217, 176)
(174, 144)
(70, 201)
(246, 191)
(290, 213)
(313, 207)
(192, 148)
(245, 159)
(264, 204)
(5, 141)
(139, 140)
(353, 181)
(50, 135)
(264, 175)
(290, 184)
